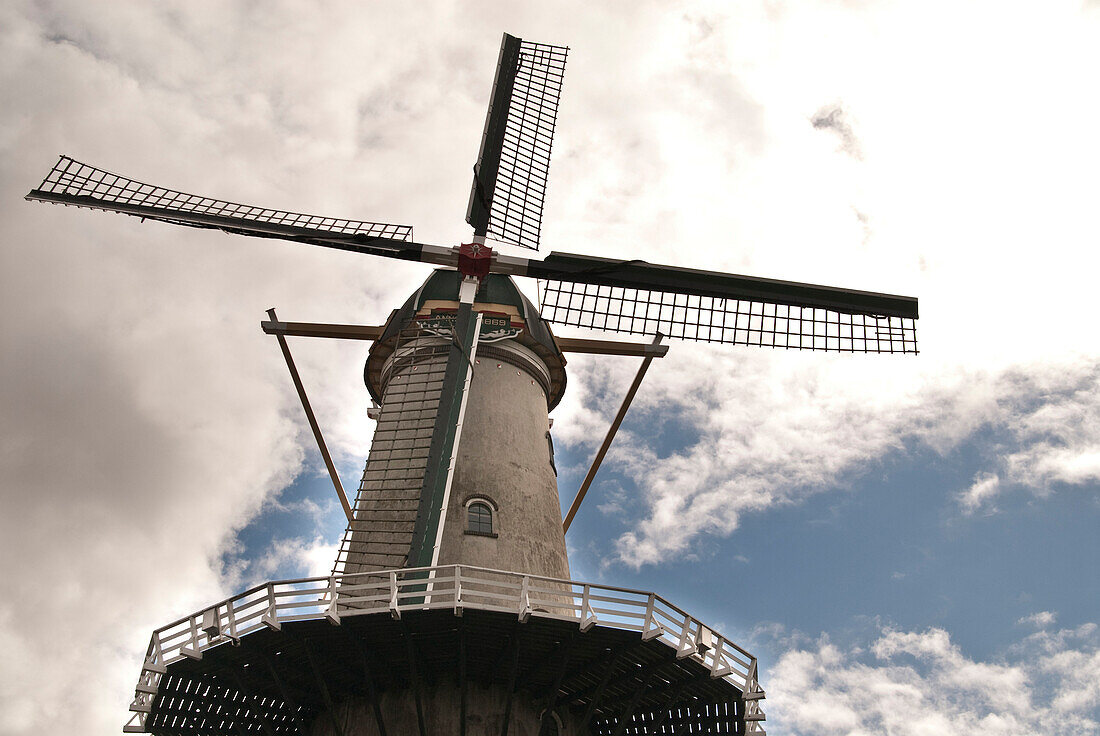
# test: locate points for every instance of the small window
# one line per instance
(479, 518)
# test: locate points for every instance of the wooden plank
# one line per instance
(313, 424)
(320, 680)
(373, 332)
(611, 347)
(414, 672)
(320, 329)
(610, 436)
(511, 685)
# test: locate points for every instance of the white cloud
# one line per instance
(920, 682)
(984, 487)
(1040, 619)
(790, 427)
(314, 558)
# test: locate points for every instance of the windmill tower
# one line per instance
(451, 608)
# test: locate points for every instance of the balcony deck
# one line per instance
(272, 658)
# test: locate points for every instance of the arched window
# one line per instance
(479, 518)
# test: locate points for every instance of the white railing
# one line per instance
(454, 587)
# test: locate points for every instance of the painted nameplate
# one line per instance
(495, 326)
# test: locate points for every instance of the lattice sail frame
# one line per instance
(71, 182)
(515, 216)
(729, 321)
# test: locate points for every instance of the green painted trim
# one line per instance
(430, 509)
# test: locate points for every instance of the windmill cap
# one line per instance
(497, 299)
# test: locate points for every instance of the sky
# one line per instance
(908, 544)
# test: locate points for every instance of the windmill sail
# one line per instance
(71, 182)
(510, 177)
(642, 298)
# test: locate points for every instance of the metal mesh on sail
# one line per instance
(74, 183)
(731, 321)
(515, 216)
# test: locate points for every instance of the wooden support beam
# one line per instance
(630, 674)
(319, 678)
(735, 715)
(235, 723)
(611, 347)
(603, 656)
(682, 723)
(609, 437)
(502, 655)
(417, 686)
(372, 692)
(594, 701)
(462, 685)
(313, 423)
(531, 672)
(644, 672)
(673, 698)
(318, 329)
(625, 716)
(216, 702)
(257, 662)
(250, 697)
(373, 332)
(565, 650)
(285, 693)
(511, 685)
(368, 681)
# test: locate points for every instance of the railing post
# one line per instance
(231, 620)
(271, 615)
(650, 621)
(154, 660)
(588, 616)
(720, 667)
(333, 613)
(395, 611)
(686, 646)
(136, 724)
(525, 600)
(193, 651)
(458, 591)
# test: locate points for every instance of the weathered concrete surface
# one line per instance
(441, 704)
(504, 455)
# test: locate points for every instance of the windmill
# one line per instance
(450, 608)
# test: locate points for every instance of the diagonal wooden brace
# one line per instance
(313, 422)
(610, 435)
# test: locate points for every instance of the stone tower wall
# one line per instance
(504, 457)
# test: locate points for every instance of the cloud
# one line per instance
(835, 118)
(615, 497)
(1041, 619)
(984, 488)
(792, 428)
(1053, 439)
(917, 682)
(311, 558)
